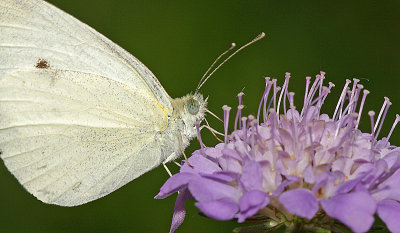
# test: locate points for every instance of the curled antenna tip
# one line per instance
(261, 35)
(207, 75)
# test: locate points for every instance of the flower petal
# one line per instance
(251, 178)
(213, 152)
(393, 159)
(356, 210)
(200, 164)
(206, 190)
(389, 212)
(300, 202)
(347, 186)
(242, 147)
(173, 184)
(363, 170)
(224, 209)
(390, 188)
(308, 174)
(283, 185)
(228, 163)
(250, 203)
(222, 176)
(232, 153)
(179, 210)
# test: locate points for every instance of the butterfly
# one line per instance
(80, 116)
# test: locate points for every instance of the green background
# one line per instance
(178, 40)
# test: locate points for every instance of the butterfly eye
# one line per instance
(193, 106)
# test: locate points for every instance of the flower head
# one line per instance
(297, 166)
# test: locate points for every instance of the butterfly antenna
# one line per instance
(233, 45)
(257, 38)
(213, 114)
(213, 131)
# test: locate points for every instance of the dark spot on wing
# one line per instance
(42, 64)
(1, 152)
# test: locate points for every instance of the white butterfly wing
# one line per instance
(79, 116)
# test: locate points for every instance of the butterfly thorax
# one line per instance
(187, 112)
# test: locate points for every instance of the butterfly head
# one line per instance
(189, 111)
(194, 108)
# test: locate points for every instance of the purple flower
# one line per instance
(297, 167)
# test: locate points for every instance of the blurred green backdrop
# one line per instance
(178, 40)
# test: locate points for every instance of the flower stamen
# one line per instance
(388, 103)
(381, 112)
(393, 126)
(226, 109)
(264, 97)
(365, 93)
(341, 98)
(283, 92)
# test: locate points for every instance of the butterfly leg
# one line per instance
(177, 164)
(183, 150)
(166, 168)
(171, 157)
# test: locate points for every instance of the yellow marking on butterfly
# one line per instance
(166, 117)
